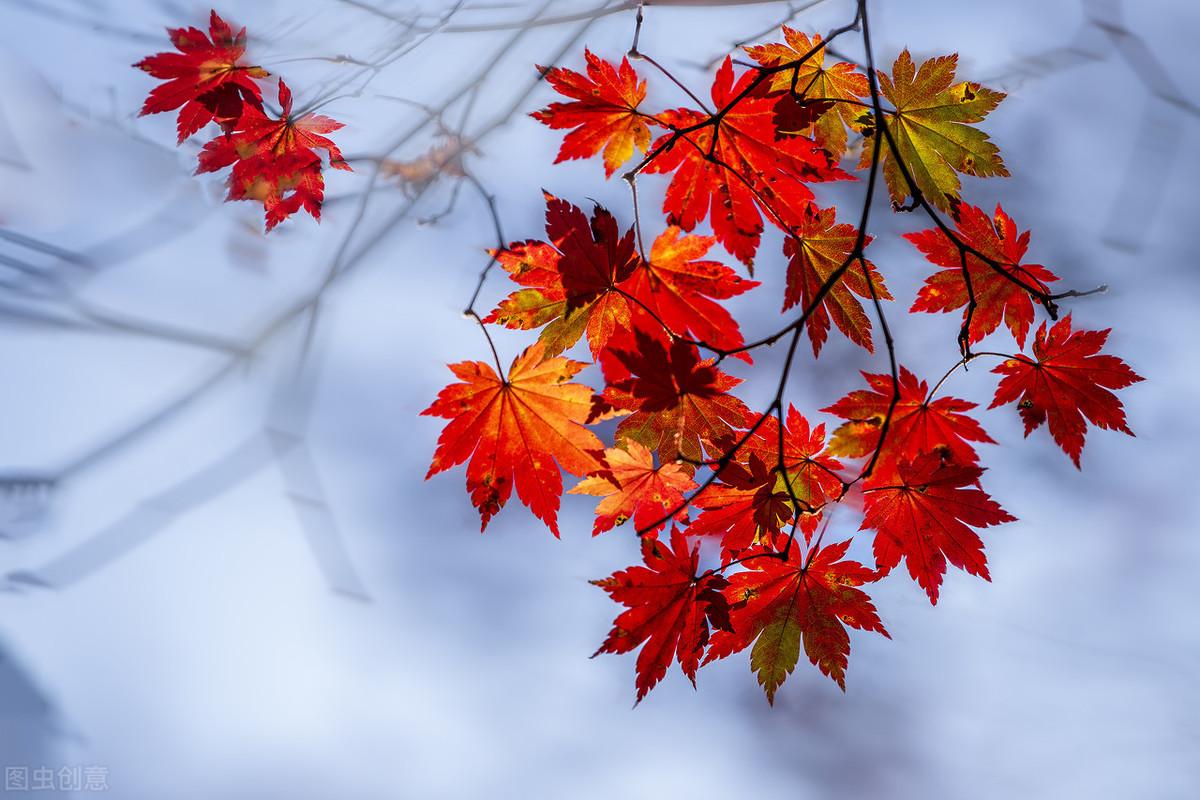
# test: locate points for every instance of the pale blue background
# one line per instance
(204, 653)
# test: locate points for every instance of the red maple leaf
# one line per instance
(812, 471)
(817, 249)
(727, 170)
(633, 488)
(670, 609)
(516, 431)
(924, 518)
(1067, 382)
(748, 506)
(680, 290)
(206, 77)
(778, 605)
(275, 161)
(919, 426)
(996, 296)
(603, 112)
(572, 282)
(680, 404)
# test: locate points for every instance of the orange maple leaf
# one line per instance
(633, 488)
(603, 112)
(518, 430)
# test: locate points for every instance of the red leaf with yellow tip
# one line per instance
(602, 112)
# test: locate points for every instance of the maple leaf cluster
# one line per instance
(752, 491)
(702, 477)
(274, 160)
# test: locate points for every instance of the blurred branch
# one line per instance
(793, 11)
(84, 21)
(1107, 16)
(589, 15)
(148, 517)
(282, 435)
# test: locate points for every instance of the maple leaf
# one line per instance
(443, 159)
(931, 129)
(603, 113)
(275, 160)
(1067, 382)
(293, 183)
(633, 488)
(996, 296)
(818, 249)
(795, 115)
(812, 472)
(680, 404)
(679, 289)
(745, 168)
(748, 506)
(571, 281)
(839, 84)
(919, 426)
(518, 430)
(924, 519)
(206, 77)
(261, 139)
(779, 605)
(670, 609)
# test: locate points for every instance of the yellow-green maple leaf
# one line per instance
(932, 131)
